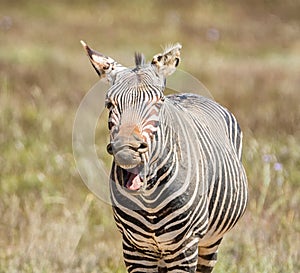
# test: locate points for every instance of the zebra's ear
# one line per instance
(106, 67)
(167, 61)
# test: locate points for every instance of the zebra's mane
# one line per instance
(139, 59)
(169, 47)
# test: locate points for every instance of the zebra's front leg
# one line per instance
(207, 257)
(139, 261)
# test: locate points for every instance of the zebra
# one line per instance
(177, 182)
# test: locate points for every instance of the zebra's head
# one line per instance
(134, 100)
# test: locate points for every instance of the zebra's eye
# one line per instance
(110, 125)
(108, 104)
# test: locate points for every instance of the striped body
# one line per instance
(177, 181)
(197, 189)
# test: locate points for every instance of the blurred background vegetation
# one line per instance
(247, 53)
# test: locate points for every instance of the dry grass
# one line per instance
(247, 54)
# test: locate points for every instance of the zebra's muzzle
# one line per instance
(127, 155)
(127, 158)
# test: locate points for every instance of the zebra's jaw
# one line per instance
(132, 167)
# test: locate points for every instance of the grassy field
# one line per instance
(247, 55)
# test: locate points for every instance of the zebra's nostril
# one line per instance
(117, 146)
(109, 149)
(143, 147)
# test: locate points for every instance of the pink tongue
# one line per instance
(135, 184)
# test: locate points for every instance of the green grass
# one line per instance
(49, 221)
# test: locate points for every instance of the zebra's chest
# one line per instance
(160, 232)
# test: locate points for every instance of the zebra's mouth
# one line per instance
(132, 178)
